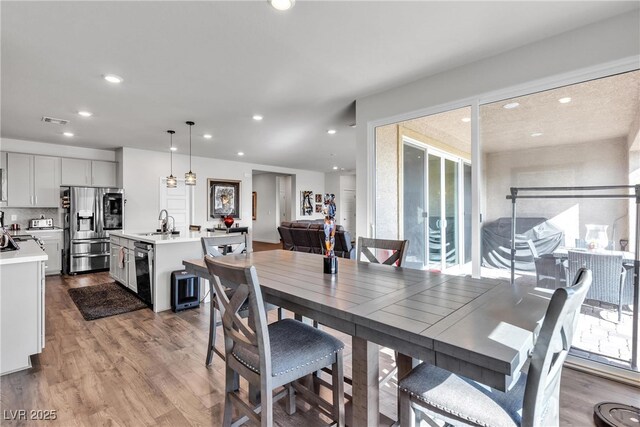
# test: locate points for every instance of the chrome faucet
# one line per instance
(165, 220)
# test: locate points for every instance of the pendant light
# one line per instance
(190, 177)
(171, 180)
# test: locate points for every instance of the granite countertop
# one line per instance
(29, 251)
(158, 239)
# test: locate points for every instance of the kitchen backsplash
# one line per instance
(25, 214)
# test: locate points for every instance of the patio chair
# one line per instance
(270, 356)
(217, 247)
(609, 275)
(431, 393)
(550, 271)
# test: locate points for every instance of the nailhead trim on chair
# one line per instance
(257, 370)
(447, 410)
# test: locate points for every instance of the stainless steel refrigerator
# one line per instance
(90, 214)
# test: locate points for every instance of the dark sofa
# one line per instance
(308, 236)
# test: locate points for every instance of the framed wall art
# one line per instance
(306, 203)
(223, 198)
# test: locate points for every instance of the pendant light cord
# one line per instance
(190, 147)
(171, 152)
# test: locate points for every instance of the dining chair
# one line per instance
(270, 356)
(397, 257)
(398, 250)
(432, 393)
(550, 272)
(218, 246)
(609, 276)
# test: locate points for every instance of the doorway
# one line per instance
(433, 189)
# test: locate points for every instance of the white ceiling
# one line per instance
(218, 63)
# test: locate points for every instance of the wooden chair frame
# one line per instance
(398, 246)
(254, 337)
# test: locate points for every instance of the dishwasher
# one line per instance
(144, 271)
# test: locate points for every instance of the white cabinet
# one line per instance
(103, 174)
(46, 181)
(94, 173)
(21, 314)
(76, 172)
(118, 272)
(19, 180)
(32, 181)
(53, 244)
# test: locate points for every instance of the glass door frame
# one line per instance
(459, 162)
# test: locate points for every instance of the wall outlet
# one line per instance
(14, 217)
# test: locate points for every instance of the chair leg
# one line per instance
(407, 416)
(266, 413)
(337, 377)
(212, 331)
(291, 399)
(230, 376)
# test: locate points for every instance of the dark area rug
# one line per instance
(107, 299)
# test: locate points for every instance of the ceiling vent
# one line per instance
(54, 120)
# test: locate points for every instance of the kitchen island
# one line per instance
(22, 276)
(166, 254)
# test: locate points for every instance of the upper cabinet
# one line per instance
(89, 173)
(32, 181)
(103, 174)
(76, 172)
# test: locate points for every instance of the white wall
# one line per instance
(48, 149)
(335, 183)
(141, 172)
(602, 42)
(266, 223)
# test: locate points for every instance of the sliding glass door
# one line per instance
(431, 207)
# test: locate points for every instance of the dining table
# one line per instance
(483, 329)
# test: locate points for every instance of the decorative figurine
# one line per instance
(330, 261)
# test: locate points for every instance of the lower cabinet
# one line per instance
(53, 245)
(124, 273)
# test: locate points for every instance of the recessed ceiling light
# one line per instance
(335, 168)
(282, 4)
(112, 78)
(352, 125)
(240, 153)
(69, 134)
(207, 136)
(331, 131)
(85, 113)
(466, 119)
(511, 105)
(174, 148)
(564, 100)
(536, 134)
(257, 117)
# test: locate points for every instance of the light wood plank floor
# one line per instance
(142, 368)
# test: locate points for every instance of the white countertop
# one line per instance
(33, 231)
(29, 251)
(160, 239)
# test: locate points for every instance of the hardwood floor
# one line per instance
(142, 368)
(264, 246)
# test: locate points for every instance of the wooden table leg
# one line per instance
(405, 364)
(365, 383)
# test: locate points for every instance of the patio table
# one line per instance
(483, 329)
